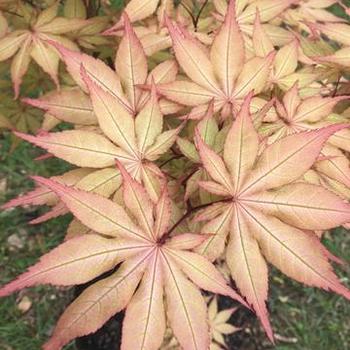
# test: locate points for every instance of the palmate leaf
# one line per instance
(219, 324)
(217, 77)
(136, 11)
(68, 105)
(26, 45)
(134, 124)
(296, 114)
(269, 213)
(152, 264)
(339, 58)
(271, 168)
(284, 72)
(131, 67)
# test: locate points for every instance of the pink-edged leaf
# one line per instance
(217, 230)
(241, 145)
(144, 323)
(69, 105)
(98, 213)
(214, 187)
(261, 41)
(289, 158)
(42, 195)
(75, 261)
(98, 303)
(96, 69)
(137, 201)
(214, 164)
(268, 9)
(187, 319)
(227, 51)
(162, 143)
(248, 267)
(253, 76)
(39, 196)
(162, 212)
(149, 122)
(286, 60)
(306, 206)
(186, 93)
(316, 108)
(203, 273)
(294, 253)
(58, 210)
(79, 147)
(131, 63)
(188, 53)
(185, 241)
(113, 118)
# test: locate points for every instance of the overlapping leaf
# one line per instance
(224, 76)
(31, 44)
(269, 213)
(153, 264)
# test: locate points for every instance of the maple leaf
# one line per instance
(153, 264)
(31, 43)
(339, 58)
(70, 105)
(16, 116)
(88, 36)
(134, 141)
(284, 71)
(136, 11)
(313, 11)
(42, 195)
(132, 127)
(152, 38)
(271, 214)
(214, 137)
(268, 9)
(338, 32)
(131, 71)
(209, 131)
(311, 113)
(224, 76)
(219, 324)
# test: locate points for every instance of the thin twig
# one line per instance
(188, 214)
(189, 12)
(177, 156)
(336, 87)
(199, 14)
(12, 13)
(185, 179)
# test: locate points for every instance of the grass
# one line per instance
(26, 331)
(317, 319)
(314, 318)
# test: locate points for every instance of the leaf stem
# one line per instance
(188, 213)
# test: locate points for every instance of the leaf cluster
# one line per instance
(207, 139)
